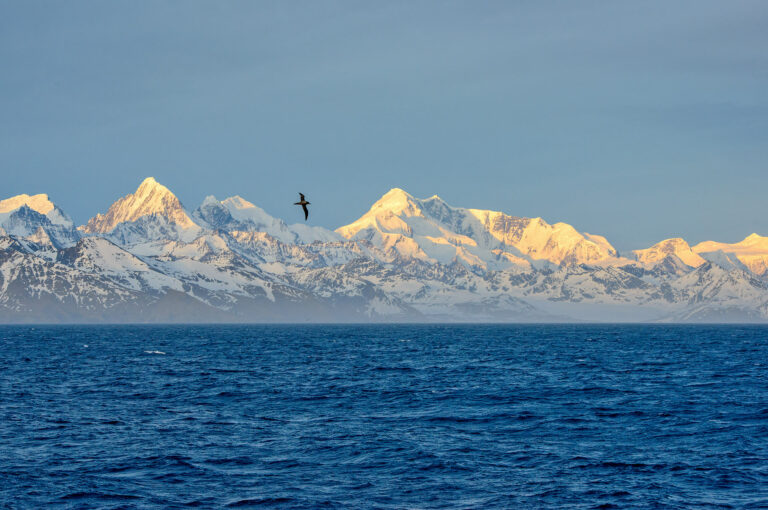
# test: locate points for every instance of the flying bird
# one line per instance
(303, 203)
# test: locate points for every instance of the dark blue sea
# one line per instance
(384, 416)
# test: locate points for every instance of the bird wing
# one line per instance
(306, 211)
(302, 196)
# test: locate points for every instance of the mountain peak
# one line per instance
(235, 214)
(150, 199)
(150, 185)
(753, 244)
(442, 232)
(672, 243)
(397, 191)
(238, 202)
(209, 200)
(25, 215)
(395, 194)
(39, 203)
(675, 246)
(396, 201)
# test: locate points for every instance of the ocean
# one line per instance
(384, 416)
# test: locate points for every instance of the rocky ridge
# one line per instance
(150, 259)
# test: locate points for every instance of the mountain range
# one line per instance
(150, 259)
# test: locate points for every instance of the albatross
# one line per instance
(303, 203)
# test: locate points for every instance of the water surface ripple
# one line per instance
(405, 416)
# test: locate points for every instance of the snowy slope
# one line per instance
(661, 250)
(237, 214)
(433, 231)
(715, 293)
(152, 212)
(147, 259)
(25, 215)
(752, 251)
(96, 255)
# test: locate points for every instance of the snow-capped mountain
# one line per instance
(148, 259)
(752, 251)
(433, 231)
(151, 213)
(659, 251)
(237, 214)
(38, 218)
(719, 294)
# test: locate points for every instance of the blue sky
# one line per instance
(635, 120)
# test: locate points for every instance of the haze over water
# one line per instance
(384, 416)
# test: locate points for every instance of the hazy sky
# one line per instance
(635, 120)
